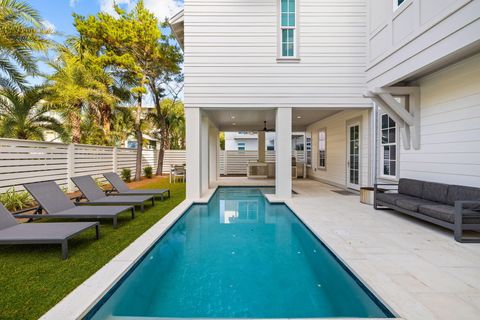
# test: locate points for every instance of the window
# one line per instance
(241, 146)
(322, 149)
(397, 3)
(388, 146)
(288, 28)
(308, 138)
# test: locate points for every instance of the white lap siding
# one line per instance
(450, 122)
(231, 55)
(336, 147)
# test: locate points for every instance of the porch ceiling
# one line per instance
(252, 119)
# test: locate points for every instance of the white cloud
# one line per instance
(163, 8)
(73, 3)
(160, 8)
(107, 6)
(49, 26)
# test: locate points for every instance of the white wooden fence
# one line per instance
(24, 161)
(233, 162)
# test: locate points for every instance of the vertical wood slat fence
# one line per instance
(24, 161)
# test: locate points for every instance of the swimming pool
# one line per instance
(239, 257)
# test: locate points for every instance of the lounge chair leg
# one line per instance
(142, 207)
(153, 201)
(161, 197)
(133, 212)
(97, 231)
(115, 222)
(64, 250)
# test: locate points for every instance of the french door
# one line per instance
(353, 156)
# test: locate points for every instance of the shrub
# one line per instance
(99, 182)
(148, 172)
(126, 175)
(16, 200)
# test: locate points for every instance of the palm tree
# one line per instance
(21, 34)
(24, 115)
(78, 88)
(123, 121)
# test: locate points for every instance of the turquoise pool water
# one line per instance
(239, 257)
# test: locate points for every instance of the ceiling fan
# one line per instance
(265, 129)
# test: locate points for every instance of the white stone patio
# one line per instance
(416, 268)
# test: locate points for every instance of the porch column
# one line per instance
(261, 146)
(193, 148)
(213, 158)
(204, 154)
(283, 153)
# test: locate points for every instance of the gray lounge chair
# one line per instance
(57, 205)
(122, 188)
(12, 232)
(96, 196)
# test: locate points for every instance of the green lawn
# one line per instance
(34, 278)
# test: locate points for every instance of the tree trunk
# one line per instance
(105, 116)
(161, 151)
(75, 123)
(139, 136)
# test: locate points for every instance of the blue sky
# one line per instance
(58, 14)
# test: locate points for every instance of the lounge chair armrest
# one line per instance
(461, 203)
(459, 207)
(377, 185)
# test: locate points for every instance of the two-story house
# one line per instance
(382, 88)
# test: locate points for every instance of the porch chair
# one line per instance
(178, 171)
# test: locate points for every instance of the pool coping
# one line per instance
(83, 298)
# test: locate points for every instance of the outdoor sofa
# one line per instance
(56, 204)
(96, 196)
(451, 206)
(121, 188)
(12, 232)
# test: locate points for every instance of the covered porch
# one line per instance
(349, 139)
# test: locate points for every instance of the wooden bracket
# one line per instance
(408, 120)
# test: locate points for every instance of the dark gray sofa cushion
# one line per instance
(447, 213)
(459, 193)
(435, 192)
(412, 204)
(411, 187)
(391, 198)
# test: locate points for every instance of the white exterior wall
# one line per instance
(418, 36)
(232, 144)
(231, 55)
(336, 148)
(450, 127)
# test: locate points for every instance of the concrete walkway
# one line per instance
(416, 268)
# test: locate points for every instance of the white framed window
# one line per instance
(241, 146)
(308, 148)
(388, 146)
(322, 149)
(288, 29)
(397, 4)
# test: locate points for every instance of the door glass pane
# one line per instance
(354, 159)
